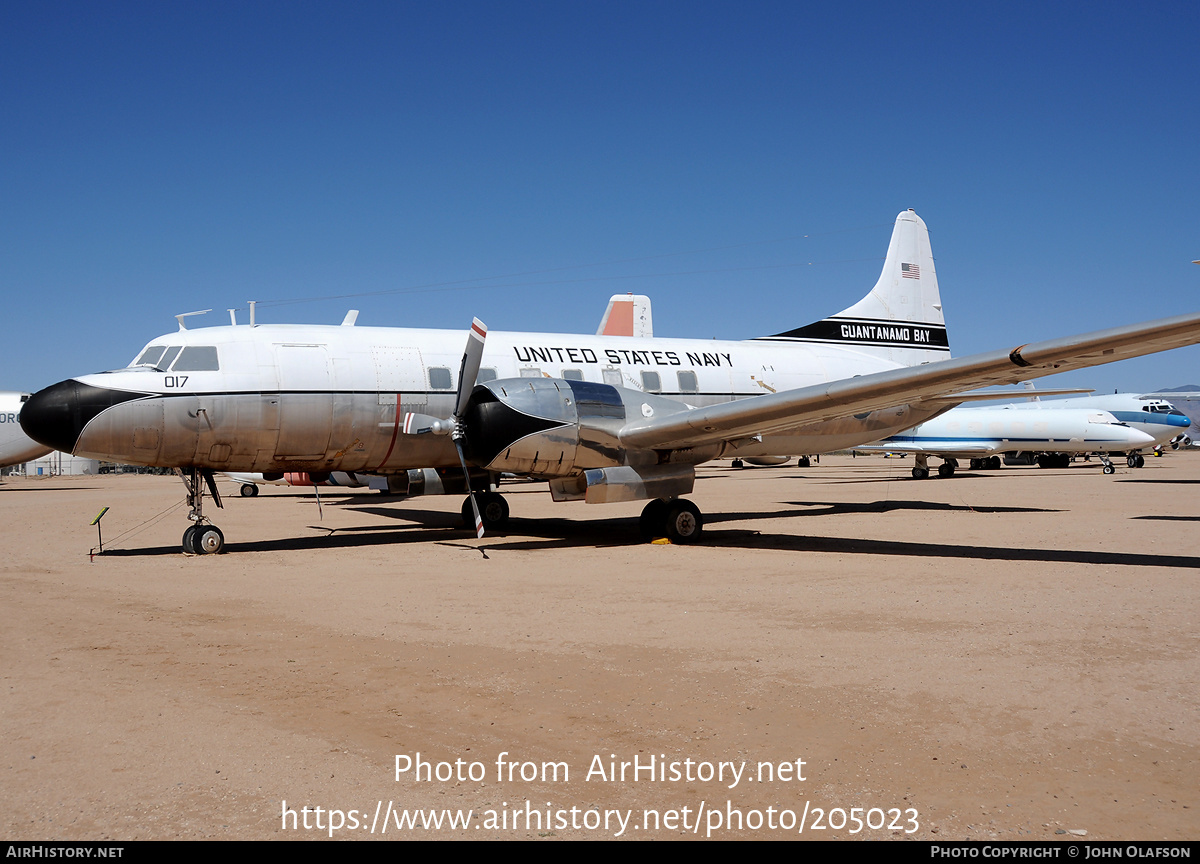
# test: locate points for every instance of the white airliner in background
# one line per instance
(601, 418)
(15, 446)
(1155, 416)
(983, 434)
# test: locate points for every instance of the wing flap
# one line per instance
(775, 412)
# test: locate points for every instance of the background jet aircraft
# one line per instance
(983, 433)
(15, 446)
(1153, 415)
(600, 418)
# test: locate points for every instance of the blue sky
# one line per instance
(740, 163)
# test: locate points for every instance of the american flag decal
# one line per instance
(910, 271)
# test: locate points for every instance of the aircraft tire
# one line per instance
(737, 463)
(946, 469)
(1131, 461)
(684, 522)
(1141, 461)
(803, 462)
(1109, 469)
(653, 521)
(920, 473)
(493, 510)
(209, 540)
(994, 462)
(249, 490)
(189, 540)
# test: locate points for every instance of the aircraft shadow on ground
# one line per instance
(829, 508)
(844, 546)
(1178, 482)
(1170, 518)
(434, 526)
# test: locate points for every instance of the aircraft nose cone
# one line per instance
(52, 417)
(57, 415)
(1141, 439)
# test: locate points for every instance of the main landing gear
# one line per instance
(202, 538)
(493, 510)
(1135, 460)
(676, 519)
(920, 470)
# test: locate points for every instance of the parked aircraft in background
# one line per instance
(249, 482)
(15, 446)
(1156, 417)
(983, 434)
(601, 418)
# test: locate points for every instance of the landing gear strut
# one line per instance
(677, 519)
(920, 470)
(202, 538)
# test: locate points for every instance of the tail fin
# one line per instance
(901, 319)
(627, 315)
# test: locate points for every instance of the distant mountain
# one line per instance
(1186, 388)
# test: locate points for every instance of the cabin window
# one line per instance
(440, 379)
(612, 377)
(486, 373)
(531, 372)
(688, 382)
(197, 358)
(573, 374)
(651, 383)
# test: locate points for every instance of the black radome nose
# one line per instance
(55, 416)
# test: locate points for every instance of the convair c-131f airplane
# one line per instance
(602, 419)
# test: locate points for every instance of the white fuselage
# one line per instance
(970, 431)
(1157, 418)
(276, 398)
(15, 446)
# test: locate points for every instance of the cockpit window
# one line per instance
(165, 363)
(150, 356)
(197, 358)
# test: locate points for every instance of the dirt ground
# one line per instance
(1008, 654)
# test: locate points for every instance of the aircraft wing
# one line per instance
(776, 412)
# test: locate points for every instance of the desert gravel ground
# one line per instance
(1011, 654)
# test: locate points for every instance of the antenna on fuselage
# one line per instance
(180, 318)
(252, 302)
(232, 316)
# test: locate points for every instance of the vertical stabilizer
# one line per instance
(627, 315)
(901, 318)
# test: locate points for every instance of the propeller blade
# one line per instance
(469, 370)
(470, 492)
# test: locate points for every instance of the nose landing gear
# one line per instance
(202, 538)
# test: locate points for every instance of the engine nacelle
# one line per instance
(551, 427)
